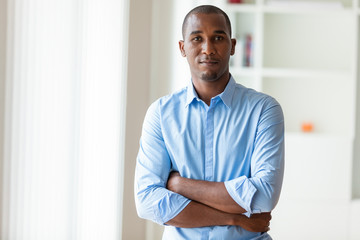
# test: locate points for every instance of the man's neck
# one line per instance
(209, 89)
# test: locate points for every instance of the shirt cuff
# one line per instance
(169, 207)
(242, 192)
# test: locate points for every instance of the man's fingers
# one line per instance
(267, 216)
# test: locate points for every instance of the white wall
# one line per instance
(169, 69)
(356, 165)
(3, 15)
(160, 40)
(137, 102)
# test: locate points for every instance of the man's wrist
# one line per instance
(236, 219)
(232, 220)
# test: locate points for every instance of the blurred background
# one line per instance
(77, 76)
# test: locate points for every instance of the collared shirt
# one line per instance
(238, 140)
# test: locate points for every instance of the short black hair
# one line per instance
(206, 9)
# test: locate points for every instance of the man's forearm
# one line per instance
(199, 215)
(213, 194)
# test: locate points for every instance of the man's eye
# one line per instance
(197, 38)
(218, 38)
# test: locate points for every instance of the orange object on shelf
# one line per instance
(307, 127)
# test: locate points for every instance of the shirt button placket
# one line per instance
(209, 141)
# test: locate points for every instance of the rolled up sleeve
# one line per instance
(242, 191)
(261, 191)
(153, 201)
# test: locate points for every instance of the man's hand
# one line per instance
(256, 223)
(173, 181)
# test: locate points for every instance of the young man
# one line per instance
(211, 158)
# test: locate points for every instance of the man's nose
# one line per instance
(208, 48)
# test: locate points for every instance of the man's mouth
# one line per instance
(209, 61)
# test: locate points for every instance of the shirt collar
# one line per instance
(191, 94)
(226, 95)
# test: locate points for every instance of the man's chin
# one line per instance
(209, 77)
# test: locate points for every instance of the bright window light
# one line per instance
(64, 114)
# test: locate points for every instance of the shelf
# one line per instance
(241, 8)
(289, 73)
(317, 6)
(243, 30)
(291, 7)
(244, 72)
(278, 72)
(307, 58)
(289, 10)
(318, 136)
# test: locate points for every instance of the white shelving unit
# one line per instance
(306, 56)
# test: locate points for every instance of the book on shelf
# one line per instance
(241, 1)
(249, 50)
(243, 56)
(238, 58)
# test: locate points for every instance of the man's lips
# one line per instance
(209, 61)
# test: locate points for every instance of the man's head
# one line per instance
(206, 9)
(207, 43)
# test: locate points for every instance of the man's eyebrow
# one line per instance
(216, 31)
(195, 32)
(220, 32)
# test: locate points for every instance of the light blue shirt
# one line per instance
(238, 139)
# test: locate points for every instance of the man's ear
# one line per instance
(233, 44)
(181, 47)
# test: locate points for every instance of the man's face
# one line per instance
(207, 45)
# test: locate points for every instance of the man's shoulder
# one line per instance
(166, 105)
(169, 103)
(174, 99)
(253, 97)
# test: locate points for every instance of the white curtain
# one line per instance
(62, 174)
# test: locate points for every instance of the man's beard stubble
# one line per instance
(210, 77)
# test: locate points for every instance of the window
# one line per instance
(63, 119)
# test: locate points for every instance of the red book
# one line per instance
(235, 1)
(248, 51)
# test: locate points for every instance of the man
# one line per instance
(210, 164)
